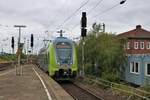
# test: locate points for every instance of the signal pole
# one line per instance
(83, 34)
(32, 40)
(103, 27)
(12, 45)
(19, 49)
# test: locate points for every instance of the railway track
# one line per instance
(4, 66)
(78, 93)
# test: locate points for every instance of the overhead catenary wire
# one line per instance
(96, 5)
(90, 11)
(103, 12)
(99, 14)
(68, 18)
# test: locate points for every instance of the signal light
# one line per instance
(12, 42)
(122, 2)
(83, 32)
(83, 19)
(32, 40)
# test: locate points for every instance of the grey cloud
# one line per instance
(41, 15)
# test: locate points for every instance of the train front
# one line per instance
(65, 58)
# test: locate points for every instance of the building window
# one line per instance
(136, 45)
(128, 45)
(142, 45)
(148, 69)
(148, 45)
(134, 67)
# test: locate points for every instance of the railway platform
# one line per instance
(34, 84)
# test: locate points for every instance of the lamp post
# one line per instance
(19, 48)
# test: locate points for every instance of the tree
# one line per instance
(104, 54)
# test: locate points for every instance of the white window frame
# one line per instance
(136, 45)
(128, 45)
(141, 45)
(134, 65)
(146, 69)
(148, 45)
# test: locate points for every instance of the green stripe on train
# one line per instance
(52, 66)
(74, 66)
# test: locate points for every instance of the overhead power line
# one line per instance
(68, 18)
(92, 9)
(105, 11)
(120, 3)
(99, 14)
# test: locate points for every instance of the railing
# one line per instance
(131, 91)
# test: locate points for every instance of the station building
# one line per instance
(137, 70)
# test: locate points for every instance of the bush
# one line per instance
(89, 69)
(8, 57)
(110, 76)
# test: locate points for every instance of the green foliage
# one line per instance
(8, 57)
(11, 57)
(147, 88)
(23, 56)
(104, 54)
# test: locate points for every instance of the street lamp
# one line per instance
(19, 47)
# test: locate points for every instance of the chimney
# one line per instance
(138, 27)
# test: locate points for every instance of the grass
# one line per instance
(7, 58)
(122, 88)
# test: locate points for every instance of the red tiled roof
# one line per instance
(136, 33)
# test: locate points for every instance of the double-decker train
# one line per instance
(59, 59)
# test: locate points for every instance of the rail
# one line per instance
(6, 65)
(79, 93)
(120, 87)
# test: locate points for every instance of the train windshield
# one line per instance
(64, 52)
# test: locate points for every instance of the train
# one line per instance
(59, 59)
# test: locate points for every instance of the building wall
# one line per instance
(140, 78)
(132, 50)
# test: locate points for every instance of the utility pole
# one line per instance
(27, 50)
(24, 45)
(19, 49)
(2, 48)
(46, 41)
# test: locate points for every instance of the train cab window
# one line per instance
(64, 52)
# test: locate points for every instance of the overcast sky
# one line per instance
(47, 15)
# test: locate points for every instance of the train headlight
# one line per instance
(58, 63)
